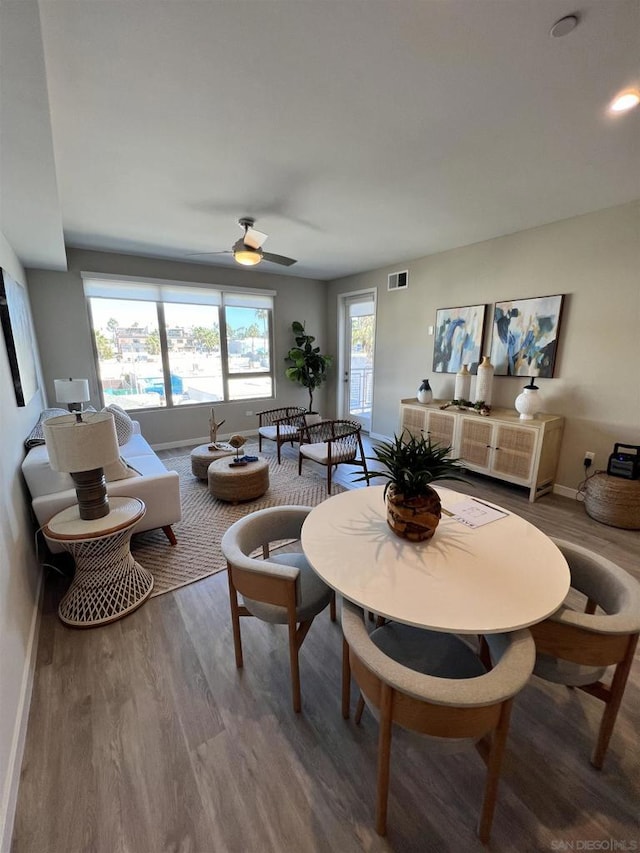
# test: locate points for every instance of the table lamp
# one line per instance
(81, 444)
(73, 392)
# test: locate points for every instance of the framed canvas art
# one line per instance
(525, 336)
(18, 338)
(458, 338)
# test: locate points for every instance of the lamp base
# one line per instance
(91, 491)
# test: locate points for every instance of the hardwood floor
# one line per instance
(143, 737)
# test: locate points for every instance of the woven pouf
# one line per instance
(613, 500)
(202, 457)
(245, 483)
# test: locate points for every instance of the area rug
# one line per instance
(205, 519)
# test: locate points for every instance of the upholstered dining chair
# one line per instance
(434, 684)
(280, 425)
(331, 443)
(575, 648)
(281, 588)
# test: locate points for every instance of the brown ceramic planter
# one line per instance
(415, 518)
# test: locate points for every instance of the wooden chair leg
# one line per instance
(612, 707)
(494, 763)
(259, 443)
(328, 479)
(384, 759)
(295, 667)
(171, 536)
(235, 620)
(299, 463)
(346, 680)
(332, 607)
(359, 709)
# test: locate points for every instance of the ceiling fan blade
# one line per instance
(193, 254)
(254, 238)
(278, 259)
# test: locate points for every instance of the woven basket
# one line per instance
(613, 500)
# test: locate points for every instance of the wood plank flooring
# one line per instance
(143, 737)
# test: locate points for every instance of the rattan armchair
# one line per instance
(281, 425)
(331, 443)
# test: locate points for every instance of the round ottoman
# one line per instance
(245, 483)
(613, 500)
(202, 457)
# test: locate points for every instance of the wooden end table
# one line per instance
(108, 583)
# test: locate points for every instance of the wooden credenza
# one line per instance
(500, 445)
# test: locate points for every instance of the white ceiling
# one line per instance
(359, 133)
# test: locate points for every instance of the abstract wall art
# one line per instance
(525, 336)
(458, 338)
(18, 337)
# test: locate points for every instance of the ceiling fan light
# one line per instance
(625, 101)
(247, 257)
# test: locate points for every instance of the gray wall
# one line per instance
(20, 575)
(63, 333)
(593, 259)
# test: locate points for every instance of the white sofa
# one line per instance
(52, 491)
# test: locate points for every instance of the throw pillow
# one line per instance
(124, 424)
(36, 436)
(118, 470)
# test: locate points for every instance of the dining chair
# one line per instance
(575, 648)
(280, 425)
(280, 588)
(434, 684)
(331, 443)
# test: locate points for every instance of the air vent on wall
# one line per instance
(398, 280)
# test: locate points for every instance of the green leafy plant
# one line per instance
(307, 366)
(411, 464)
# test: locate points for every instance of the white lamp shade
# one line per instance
(81, 445)
(72, 390)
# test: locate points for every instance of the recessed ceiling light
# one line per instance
(564, 26)
(625, 101)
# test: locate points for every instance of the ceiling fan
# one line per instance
(248, 249)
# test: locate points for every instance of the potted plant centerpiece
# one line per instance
(410, 466)
(307, 366)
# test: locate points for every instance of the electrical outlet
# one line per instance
(248, 414)
(589, 456)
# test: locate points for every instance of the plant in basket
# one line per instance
(410, 465)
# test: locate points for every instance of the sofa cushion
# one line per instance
(123, 422)
(36, 436)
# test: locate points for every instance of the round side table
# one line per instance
(245, 483)
(108, 583)
(202, 457)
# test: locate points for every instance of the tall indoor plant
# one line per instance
(410, 464)
(307, 366)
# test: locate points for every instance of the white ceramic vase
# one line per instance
(463, 384)
(425, 394)
(484, 381)
(528, 402)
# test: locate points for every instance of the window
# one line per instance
(161, 344)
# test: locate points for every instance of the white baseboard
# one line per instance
(202, 439)
(10, 799)
(565, 491)
(378, 436)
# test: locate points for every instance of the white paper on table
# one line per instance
(475, 513)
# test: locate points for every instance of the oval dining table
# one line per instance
(499, 577)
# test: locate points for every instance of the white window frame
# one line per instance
(161, 292)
